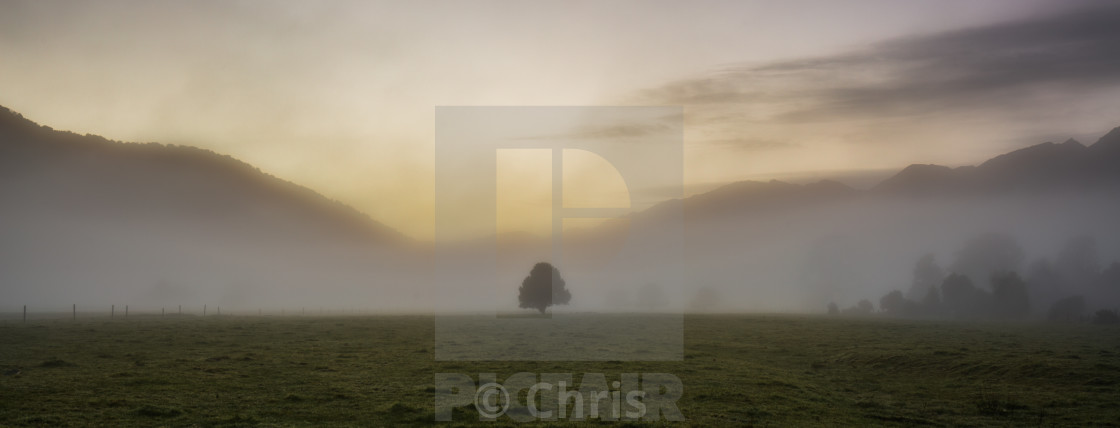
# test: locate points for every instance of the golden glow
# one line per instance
(338, 96)
(592, 182)
(524, 191)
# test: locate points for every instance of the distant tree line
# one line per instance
(984, 283)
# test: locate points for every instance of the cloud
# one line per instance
(752, 144)
(986, 67)
(658, 127)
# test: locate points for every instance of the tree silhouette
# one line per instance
(1110, 277)
(961, 298)
(1078, 263)
(1105, 316)
(543, 288)
(1108, 286)
(927, 274)
(931, 304)
(1044, 284)
(986, 255)
(933, 298)
(893, 303)
(1009, 295)
(1069, 309)
(864, 307)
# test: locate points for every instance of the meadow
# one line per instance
(737, 370)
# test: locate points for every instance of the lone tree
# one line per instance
(543, 288)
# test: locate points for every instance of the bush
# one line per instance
(864, 307)
(893, 303)
(1106, 317)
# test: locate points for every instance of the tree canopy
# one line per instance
(543, 288)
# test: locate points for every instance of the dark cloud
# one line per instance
(983, 67)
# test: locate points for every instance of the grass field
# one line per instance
(376, 371)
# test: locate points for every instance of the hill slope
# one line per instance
(780, 246)
(82, 212)
(100, 178)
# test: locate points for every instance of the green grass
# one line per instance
(376, 371)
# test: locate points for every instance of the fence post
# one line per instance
(125, 311)
(24, 313)
(75, 312)
(112, 311)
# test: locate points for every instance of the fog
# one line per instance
(798, 258)
(97, 223)
(793, 259)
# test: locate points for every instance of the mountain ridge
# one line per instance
(1038, 167)
(1045, 159)
(33, 150)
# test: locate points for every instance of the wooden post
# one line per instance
(24, 313)
(75, 312)
(112, 311)
(203, 310)
(125, 311)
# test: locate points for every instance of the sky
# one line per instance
(341, 96)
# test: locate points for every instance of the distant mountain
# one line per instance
(1043, 167)
(921, 179)
(182, 186)
(86, 218)
(776, 245)
(748, 196)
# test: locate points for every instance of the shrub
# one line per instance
(1106, 317)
